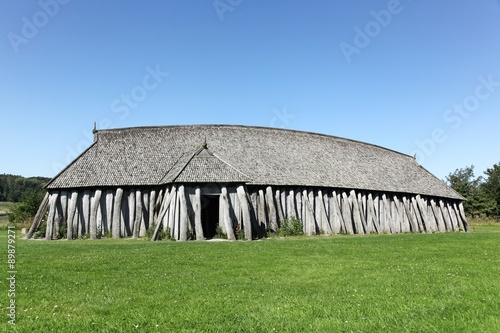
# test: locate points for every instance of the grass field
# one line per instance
(377, 283)
(4, 209)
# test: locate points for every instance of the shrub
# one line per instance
(25, 211)
(290, 227)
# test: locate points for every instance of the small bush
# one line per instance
(162, 234)
(290, 227)
(40, 232)
(239, 233)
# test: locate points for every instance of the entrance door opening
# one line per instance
(209, 215)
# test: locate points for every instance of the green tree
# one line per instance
(26, 209)
(471, 188)
(491, 186)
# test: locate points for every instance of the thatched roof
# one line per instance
(144, 156)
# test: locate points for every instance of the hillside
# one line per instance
(12, 187)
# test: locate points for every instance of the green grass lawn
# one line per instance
(377, 283)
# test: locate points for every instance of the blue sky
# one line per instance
(419, 77)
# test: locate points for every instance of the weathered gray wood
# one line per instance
(356, 213)
(315, 203)
(464, 217)
(402, 223)
(438, 216)
(453, 216)
(376, 208)
(198, 227)
(245, 209)
(291, 204)
(363, 204)
(168, 197)
(42, 209)
(262, 217)
(226, 216)
(335, 215)
(116, 222)
(304, 217)
(461, 226)
(94, 204)
(176, 223)
(326, 205)
(183, 227)
(51, 217)
(151, 209)
(136, 228)
(394, 222)
(446, 215)
(417, 214)
(99, 219)
(85, 212)
(347, 214)
(428, 221)
(284, 204)
(172, 213)
(273, 223)
(411, 216)
(279, 207)
(107, 223)
(371, 215)
(384, 224)
(144, 224)
(73, 201)
(129, 226)
(325, 224)
(309, 220)
(63, 198)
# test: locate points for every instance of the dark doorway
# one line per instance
(209, 215)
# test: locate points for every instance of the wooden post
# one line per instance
(418, 216)
(273, 224)
(335, 215)
(94, 204)
(42, 209)
(86, 212)
(262, 219)
(166, 203)
(464, 218)
(51, 217)
(310, 220)
(144, 224)
(151, 208)
(347, 213)
(198, 227)
(438, 216)
(363, 206)
(371, 216)
(291, 204)
(183, 218)
(453, 216)
(108, 214)
(71, 214)
(377, 220)
(320, 206)
(226, 216)
(358, 224)
(281, 216)
(115, 224)
(137, 209)
(245, 209)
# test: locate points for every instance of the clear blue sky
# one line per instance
(419, 76)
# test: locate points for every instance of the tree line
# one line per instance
(482, 192)
(16, 188)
